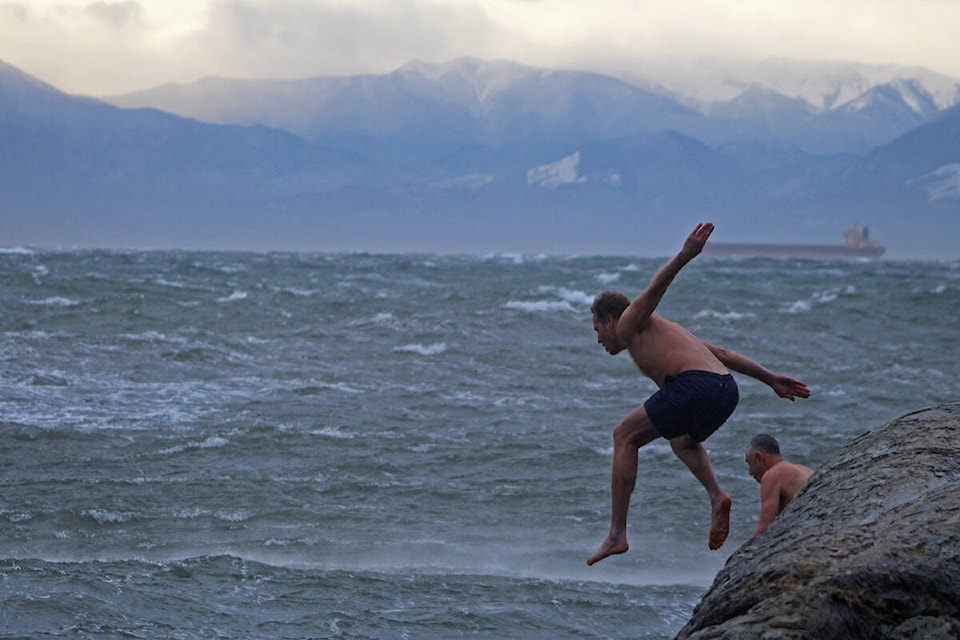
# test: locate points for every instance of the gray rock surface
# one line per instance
(870, 547)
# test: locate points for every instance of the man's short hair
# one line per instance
(609, 303)
(765, 443)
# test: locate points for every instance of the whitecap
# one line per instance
(236, 295)
(822, 297)
(423, 349)
(38, 272)
(232, 516)
(607, 278)
(515, 258)
(15, 516)
(539, 306)
(169, 283)
(315, 388)
(720, 315)
(576, 297)
(228, 269)
(300, 293)
(213, 442)
(104, 516)
(276, 542)
(569, 295)
(603, 451)
(16, 251)
(152, 336)
(56, 301)
(334, 432)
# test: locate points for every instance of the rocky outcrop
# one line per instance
(870, 547)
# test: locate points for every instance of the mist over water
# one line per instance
(204, 445)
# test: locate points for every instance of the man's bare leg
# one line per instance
(632, 433)
(695, 456)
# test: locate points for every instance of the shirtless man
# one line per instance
(697, 393)
(779, 480)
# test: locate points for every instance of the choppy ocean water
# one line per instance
(243, 445)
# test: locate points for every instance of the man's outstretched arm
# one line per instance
(635, 317)
(784, 386)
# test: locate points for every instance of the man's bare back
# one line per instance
(664, 348)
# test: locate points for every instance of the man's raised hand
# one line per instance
(695, 241)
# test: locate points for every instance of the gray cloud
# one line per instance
(117, 15)
(303, 38)
(111, 46)
(17, 10)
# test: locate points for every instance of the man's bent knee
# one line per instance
(635, 429)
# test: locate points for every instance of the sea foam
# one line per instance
(423, 349)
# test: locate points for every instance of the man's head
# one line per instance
(609, 303)
(607, 308)
(763, 451)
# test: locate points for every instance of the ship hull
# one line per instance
(821, 251)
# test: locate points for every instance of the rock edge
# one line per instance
(869, 548)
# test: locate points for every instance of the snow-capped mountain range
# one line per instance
(489, 155)
(825, 108)
(822, 85)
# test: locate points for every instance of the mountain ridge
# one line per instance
(870, 106)
(520, 159)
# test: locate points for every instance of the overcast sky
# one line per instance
(106, 47)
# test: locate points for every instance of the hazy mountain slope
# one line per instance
(73, 170)
(875, 118)
(464, 102)
(908, 190)
(822, 108)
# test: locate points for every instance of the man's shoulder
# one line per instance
(788, 472)
(797, 467)
(803, 470)
(779, 471)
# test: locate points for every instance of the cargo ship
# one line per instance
(857, 243)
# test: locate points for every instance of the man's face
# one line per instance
(607, 334)
(754, 461)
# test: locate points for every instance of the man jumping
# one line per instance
(697, 393)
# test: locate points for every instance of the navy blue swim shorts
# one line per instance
(694, 403)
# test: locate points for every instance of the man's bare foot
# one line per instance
(720, 521)
(611, 546)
